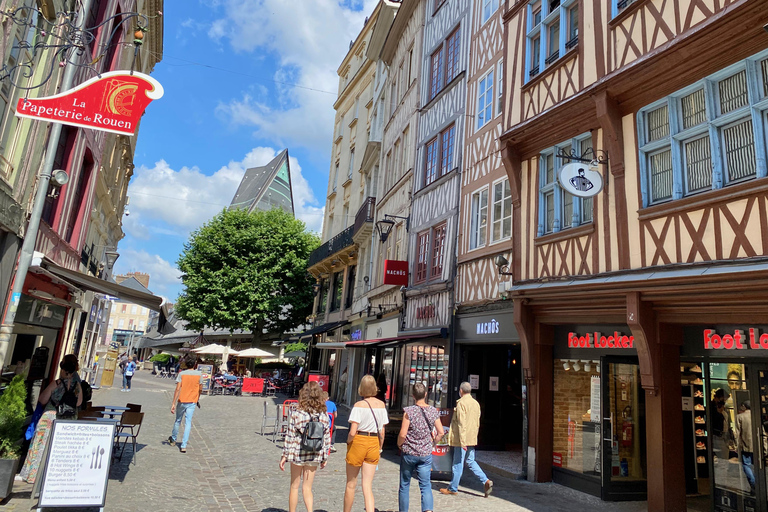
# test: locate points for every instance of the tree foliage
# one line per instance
(247, 271)
(295, 347)
(12, 416)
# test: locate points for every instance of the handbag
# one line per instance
(432, 432)
(374, 420)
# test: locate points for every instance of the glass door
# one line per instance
(761, 433)
(623, 411)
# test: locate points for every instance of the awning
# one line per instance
(322, 328)
(97, 285)
(389, 342)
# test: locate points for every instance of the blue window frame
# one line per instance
(706, 136)
(552, 30)
(619, 5)
(559, 210)
(485, 99)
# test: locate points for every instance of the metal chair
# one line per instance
(89, 415)
(265, 418)
(134, 407)
(130, 420)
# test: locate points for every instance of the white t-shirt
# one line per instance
(363, 417)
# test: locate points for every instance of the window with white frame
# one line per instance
(501, 213)
(707, 136)
(485, 100)
(499, 86)
(478, 219)
(559, 210)
(489, 7)
(552, 29)
(351, 163)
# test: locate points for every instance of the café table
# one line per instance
(114, 410)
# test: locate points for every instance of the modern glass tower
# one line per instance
(266, 187)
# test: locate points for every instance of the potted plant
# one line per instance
(13, 415)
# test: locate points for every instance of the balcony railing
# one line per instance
(364, 214)
(332, 246)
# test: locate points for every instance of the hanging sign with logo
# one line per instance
(396, 272)
(581, 179)
(112, 102)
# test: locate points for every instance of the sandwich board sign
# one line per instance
(77, 464)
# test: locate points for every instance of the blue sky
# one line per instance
(243, 79)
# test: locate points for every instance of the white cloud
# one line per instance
(186, 198)
(163, 275)
(308, 49)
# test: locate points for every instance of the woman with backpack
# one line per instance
(365, 442)
(60, 400)
(421, 428)
(307, 443)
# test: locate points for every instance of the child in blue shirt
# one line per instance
(331, 407)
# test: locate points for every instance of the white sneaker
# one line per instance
(122, 390)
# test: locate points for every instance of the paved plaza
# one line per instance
(229, 466)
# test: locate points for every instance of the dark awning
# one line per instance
(97, 285)
(323, 328)
(378, 342)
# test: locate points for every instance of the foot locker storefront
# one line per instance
(724, 376)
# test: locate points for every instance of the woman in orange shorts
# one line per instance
(366, 438)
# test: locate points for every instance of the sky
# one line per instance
(243, 79)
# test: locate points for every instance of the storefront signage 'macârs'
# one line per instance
(736, 341)
(597, 340)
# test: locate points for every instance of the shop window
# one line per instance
(338, 289)
(558, 209)
(707, 136)
(479, 219)
(556, 24)
(427, 364)
(502, 211)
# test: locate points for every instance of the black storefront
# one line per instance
(488, 356)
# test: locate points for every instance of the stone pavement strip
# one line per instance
(229, 466)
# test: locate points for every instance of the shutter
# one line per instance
(698, 164)
(739, 150)
(661, 175)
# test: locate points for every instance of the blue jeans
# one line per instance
(421, 468)
(186, 410)
(125, 382)
(747, 465)
(459, 457)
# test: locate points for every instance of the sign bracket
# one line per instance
(590, 156)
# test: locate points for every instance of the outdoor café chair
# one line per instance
(89, 415)
(266, 418)
(269, 388)
(134, 407)
(130, 421)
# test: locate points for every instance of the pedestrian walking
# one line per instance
(130, 369)
(332, 413)
(420, 429)
(365, 442)
(189, 385)
(123, 362)
(462, 436)
(307, 444)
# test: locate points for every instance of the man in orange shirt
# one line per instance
(189, 385)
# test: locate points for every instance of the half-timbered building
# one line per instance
(486, 220)
(635, 145)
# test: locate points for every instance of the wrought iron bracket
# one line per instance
(590, 156)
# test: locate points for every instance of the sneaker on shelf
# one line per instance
(698, 394)
(700, 433)
(698, 407)
(701, 446)
(698, 382)
(701, 459)
(699, 420)
(696, 369)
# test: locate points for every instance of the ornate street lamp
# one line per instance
(384, 226)
(503, 265)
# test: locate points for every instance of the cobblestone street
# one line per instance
(229, 466)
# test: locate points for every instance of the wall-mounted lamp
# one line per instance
(384, 226)
(316, 288)
(111, 257)
(503, 265)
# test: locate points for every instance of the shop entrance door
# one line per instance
(623, 430)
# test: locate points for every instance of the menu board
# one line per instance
(77, 466)
(207, 371)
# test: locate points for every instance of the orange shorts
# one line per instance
(363, 449)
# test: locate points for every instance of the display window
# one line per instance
(427, 364)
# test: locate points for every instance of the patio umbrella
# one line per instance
(255, 352)
(215, 349)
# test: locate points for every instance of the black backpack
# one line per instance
(87, 391)
(66, 408)
(312, 437)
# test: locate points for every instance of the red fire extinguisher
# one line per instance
(627, 426)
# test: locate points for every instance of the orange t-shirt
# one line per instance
(190, 386)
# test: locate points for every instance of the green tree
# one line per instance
(12, 416)
(247, 271)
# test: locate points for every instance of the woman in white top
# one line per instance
(365, 441)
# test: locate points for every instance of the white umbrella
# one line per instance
(255, 352)
(214, 349)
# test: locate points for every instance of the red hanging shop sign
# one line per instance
(112, 102)
(396, 272)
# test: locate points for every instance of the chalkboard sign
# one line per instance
(77, 466)
(207, 371)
